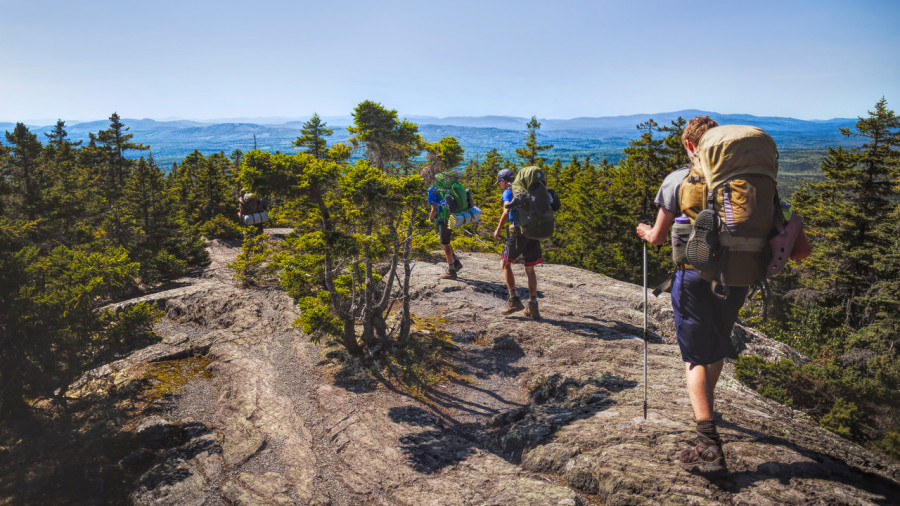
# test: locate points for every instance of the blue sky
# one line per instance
(205, 60)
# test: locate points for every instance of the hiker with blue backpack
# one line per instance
(528, 206)
(451, 207)
(725, 210)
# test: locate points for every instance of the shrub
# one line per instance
(844, 419)
(221, 227)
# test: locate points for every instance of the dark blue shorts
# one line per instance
(703, 322)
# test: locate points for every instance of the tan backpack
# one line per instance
(733, 173)
(249, 204)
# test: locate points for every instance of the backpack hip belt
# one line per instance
(737, 243)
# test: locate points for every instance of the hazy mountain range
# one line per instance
(596, 137)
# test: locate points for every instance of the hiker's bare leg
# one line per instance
(509, 276)
(701, 385)
(448, 252)
(532, 281)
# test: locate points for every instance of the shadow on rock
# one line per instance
(169, 469)
(497, 359)
(823, 467)
(431, 450)
(498, 290)
(557, 402)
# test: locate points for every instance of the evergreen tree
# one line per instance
(116, 141)
(851, 218)
(147, 201)
(313, 136)
(25, 172)
(530, 154)
(212, 191)
(390, 143)
(441, 156)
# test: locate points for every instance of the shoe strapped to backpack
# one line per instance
(701, 245)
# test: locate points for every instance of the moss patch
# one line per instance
(170, 376)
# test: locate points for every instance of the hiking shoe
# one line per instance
(532, 311)
(515, 304)
(456, 263)
(702, 243)
(450, 274)
(705, 458)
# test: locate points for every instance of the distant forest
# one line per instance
(802, 143)
(87, 221)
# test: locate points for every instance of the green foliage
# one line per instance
(389, 142)
(842, 304)
(221, 227)
(250, 265)
(844, 419)
(531, 153)
(800, 386)
(312, 137)
(890, 444)
(132, 324)
(316, 318)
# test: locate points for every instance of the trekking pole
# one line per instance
(492, 248)
(645, 331)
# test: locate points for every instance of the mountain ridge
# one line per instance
(598, 137)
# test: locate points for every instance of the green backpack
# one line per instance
(453, 193)
(533, 203)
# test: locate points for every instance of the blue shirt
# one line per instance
(513, 213)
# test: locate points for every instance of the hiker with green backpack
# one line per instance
(722, 205)
(528, 206)
(451, 205)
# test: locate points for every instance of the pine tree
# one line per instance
(441, 156)
(390, 143)
(530, 154)
(851, 217)
(116, 141)
(147, 201)
(26, 175)
(313, 139)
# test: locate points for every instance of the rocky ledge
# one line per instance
(547, 412)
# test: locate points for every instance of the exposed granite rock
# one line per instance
(550, 412)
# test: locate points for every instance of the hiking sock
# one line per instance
(708, 429)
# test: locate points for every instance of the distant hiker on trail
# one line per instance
(713, 265)
(520, 242)
(252, 210)
(447, 196)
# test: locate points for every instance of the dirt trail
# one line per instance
(550, 414)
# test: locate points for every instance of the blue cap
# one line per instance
(505, 174)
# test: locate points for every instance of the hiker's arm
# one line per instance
(433, 213)
(503, 218)
(660, 230)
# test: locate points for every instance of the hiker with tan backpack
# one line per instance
(725, 210)
(252, 211)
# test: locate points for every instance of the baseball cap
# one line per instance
(506, 174)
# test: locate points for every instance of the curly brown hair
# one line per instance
(696, 127)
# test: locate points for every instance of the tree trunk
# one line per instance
(349, 338)
(406, 321)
